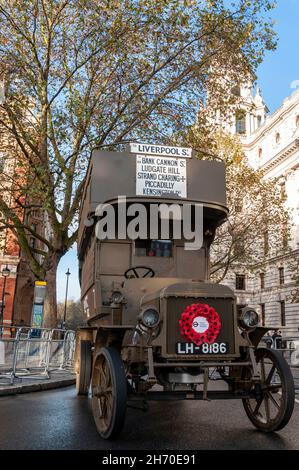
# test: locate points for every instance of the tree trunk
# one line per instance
(50, 304)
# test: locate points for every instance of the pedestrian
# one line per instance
(277, 338)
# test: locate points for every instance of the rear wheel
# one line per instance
(273, 406)
(83, 373)
(109, 393)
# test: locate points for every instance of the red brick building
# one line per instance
(9, 257)
(19, 284)
(9, 249)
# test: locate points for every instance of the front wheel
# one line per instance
(273, 406)
(109, 393)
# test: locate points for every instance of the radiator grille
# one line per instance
(176, 306)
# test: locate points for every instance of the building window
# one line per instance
(277, 138)
(239, 204)
(262, 280)
(283, 191)
(241, 122)
(260, 152)
(266, 243)
(297, 121)
(263, 314)
(35, 214)
(281, 275)
(282, 313)
(34, 227)
(32, 242)
(236, 90)
(259, 121)
(240, 281)
(239, 247)
(285, 235)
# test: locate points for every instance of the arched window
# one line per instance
(259, 121)
(283, 190)
(241, 122)
(260, 152)
(277, 138)
(297, 121)
(236, 90)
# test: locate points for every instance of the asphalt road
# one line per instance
(58, 419)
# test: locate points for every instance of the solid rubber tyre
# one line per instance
(280, 393)
(109, 392)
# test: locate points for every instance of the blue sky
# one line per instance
(281, 67)
(277, 78)
(68, 261)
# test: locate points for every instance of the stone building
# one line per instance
(271, 143)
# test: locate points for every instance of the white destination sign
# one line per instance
(151, 149)
(161, 176)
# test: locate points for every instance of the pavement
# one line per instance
(57, 379)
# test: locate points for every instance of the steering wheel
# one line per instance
(149, 272)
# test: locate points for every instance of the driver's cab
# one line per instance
(160, 258)
(131, 269)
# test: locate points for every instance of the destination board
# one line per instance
(160, 150)
(161, 176)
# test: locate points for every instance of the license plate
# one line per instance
(205, 348)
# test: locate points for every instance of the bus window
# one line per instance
(158, 248)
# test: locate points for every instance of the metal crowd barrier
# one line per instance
(288, 346)
(27, 352)
(293, 345)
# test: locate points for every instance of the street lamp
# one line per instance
(66, 291)
(5, 273)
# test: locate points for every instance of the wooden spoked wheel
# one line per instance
(83, 372)
(273, 406)
(109, 393)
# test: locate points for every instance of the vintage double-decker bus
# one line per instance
(157, 328)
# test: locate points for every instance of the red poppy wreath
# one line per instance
(200, 323)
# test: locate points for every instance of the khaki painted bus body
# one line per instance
(157, 361)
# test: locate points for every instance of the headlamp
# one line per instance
(248, 319)
(150, 317)
(116, 297)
